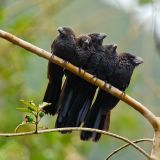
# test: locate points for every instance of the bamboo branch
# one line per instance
(154, 121)
(78, 129)
(126, 145)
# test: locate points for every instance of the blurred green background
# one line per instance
(23, 75)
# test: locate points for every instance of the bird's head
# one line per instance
(66, 31)
(110, 48)
(84, 41)
(97, 38)
(134, 60)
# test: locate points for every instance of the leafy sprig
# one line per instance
(34, 114)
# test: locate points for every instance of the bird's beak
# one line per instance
(138, 60)
(60, 30)
(102, 36)
(114, 47)
(86, 41)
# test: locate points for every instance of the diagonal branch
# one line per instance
(126, 145)
(78, 129)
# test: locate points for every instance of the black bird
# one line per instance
(64, 46)
(98, 69)
(76, 102)
(99, 114)
(105, 71)
(69, 88)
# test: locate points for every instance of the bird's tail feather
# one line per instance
(89, 123)
(103, 124)
(81, 103)
(51, 96)
(64, 104)
(95, 119)
(86, 106)
(53, 90)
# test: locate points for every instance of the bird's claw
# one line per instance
(94, 78)
(110, 86)
(80, 70)
(123, 94)
(105, 85)
(52, 56)
(65, 63)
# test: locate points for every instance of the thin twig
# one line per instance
(78, 129)
(126, 145)
(36, 122)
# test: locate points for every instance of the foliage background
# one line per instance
(23, 75)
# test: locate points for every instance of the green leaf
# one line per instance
(25, 127)
(24, 110)
(31, 106)
(44, 104)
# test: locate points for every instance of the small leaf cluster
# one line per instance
(34, 113)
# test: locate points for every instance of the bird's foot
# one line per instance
(123, 94)
(52, 56)
(107, 85)
(80, 70)
(94, 78)
(110, 86)
(65, 63)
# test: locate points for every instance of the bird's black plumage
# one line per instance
(99, 114)
(73, 83)
(80, 93)
(63, 46)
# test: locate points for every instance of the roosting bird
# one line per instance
(72, 81)
(64, 46)
(101, 52)
(78, 93)
(99, 114)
